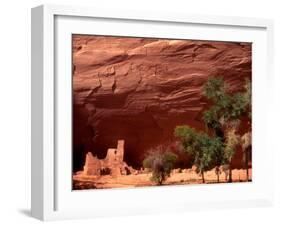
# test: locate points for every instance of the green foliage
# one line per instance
(214, 88)
(206, 151)
(211, 117)
(188, 137)
(160, 162)
(217, 149)
(239, 106)
(226, 106)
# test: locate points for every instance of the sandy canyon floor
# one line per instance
(81, 181)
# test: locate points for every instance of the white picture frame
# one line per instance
(52, 197)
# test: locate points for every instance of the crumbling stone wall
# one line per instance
(92, 165)
(113, 164)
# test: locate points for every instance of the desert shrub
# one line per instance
(160, 162)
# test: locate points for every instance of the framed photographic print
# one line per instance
(136, 112)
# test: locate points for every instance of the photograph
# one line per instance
(152, 111)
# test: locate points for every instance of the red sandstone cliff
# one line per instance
(139, 89)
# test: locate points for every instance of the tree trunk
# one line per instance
(218, 174)
(160, 180)
(247, 164)
(203, 179)
(230, 174)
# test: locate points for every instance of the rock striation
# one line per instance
(139, 89)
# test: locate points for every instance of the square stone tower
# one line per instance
(116, 155)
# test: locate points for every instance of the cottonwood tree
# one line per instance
(226, 110)
(226, 106)
(161, 162)
(222, 119)
(205, 151)
(218, 155)
(232, 141)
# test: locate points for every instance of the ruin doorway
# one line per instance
(105, 171)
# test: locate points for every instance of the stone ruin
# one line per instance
(113, 164)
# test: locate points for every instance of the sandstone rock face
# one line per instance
(139, 89)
